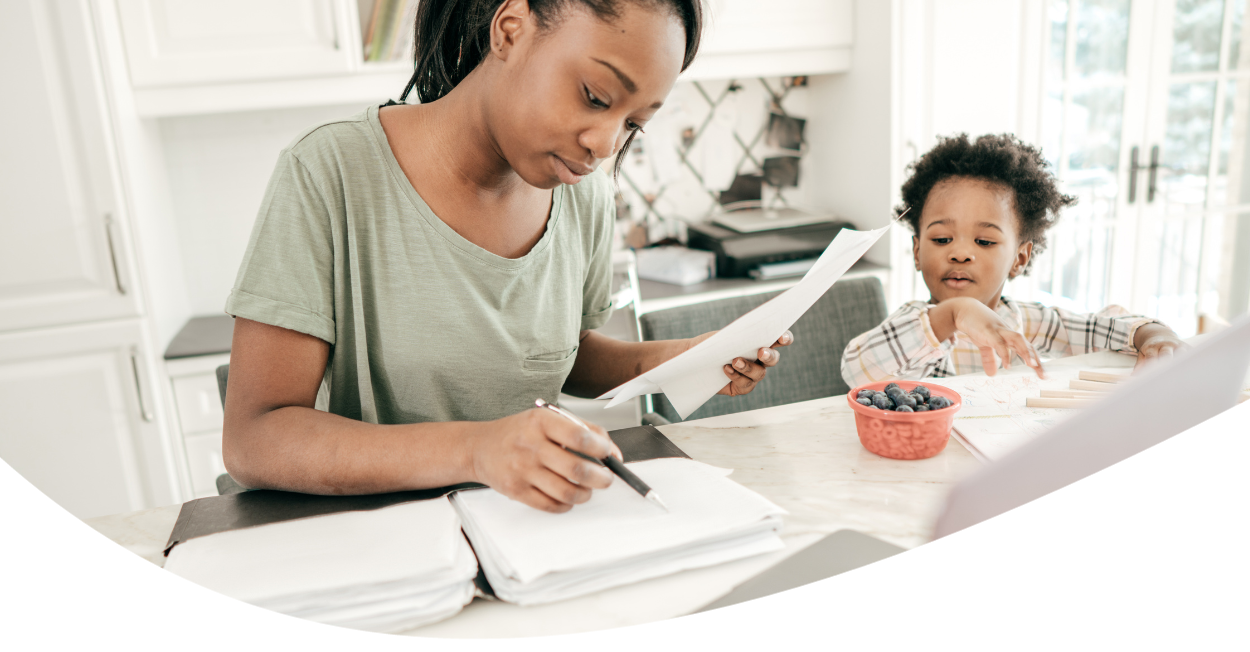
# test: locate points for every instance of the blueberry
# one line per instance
(939, 402)
(882, 402)
(865, 392)
(921, 390)
(904, 408)
(922, 408)
(905, 400)
(864, 401)
(894, 393)
(894, 385)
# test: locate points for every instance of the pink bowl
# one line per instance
(904, 435)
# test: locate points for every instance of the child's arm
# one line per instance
(1060, 332)
(903, 346)
(1155, 341)
(987, 331)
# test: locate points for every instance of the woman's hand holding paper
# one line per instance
(524, 457)
(745, 374)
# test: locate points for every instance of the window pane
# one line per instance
(1196, 34)
(1187, 143)
(1101, 37)
(1234, 49)
(1093, 125)
(1058, 41)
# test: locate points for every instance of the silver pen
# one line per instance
(613, 464)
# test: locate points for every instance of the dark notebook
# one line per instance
(204, 516)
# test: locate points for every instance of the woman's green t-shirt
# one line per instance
(423, 325)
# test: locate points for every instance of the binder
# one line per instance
(205, 516)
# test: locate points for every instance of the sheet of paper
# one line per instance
(618, 537)
(994, 418)
(358, 569)
(695, 376)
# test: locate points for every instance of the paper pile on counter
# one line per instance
(534, 557)
(384, 570)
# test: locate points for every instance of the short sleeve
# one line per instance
(597, 289)
(287, 275)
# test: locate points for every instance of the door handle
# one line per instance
(1152, 185)
(1133, 167)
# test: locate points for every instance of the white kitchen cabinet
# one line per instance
(748, 38)
(184, 42)
(76, 417)
(63, 255)
(198, 402)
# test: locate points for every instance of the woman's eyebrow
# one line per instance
(625, 80)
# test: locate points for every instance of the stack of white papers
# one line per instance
(383, 570)
(618, 537)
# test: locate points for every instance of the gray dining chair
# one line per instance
(810, 368)
(225, 483)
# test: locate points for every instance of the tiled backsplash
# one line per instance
(707, 132)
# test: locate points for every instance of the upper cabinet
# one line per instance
(748, 38)
(63, 258)
(184, 42)
(195, 57)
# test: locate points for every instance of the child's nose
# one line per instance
(960, 255)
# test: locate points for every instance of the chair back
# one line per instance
(810, 368)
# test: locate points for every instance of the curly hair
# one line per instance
(1002, 160)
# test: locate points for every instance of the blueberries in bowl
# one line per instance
(896, 399)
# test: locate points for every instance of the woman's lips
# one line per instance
(566, 173)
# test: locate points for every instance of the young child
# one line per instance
(980, 211)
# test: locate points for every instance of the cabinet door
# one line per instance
(75, 417)
(180, 42)
(748, 38)
(62, 253)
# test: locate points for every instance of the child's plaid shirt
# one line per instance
(904, 345)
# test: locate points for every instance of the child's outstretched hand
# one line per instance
(1154, 342)
(986, 329)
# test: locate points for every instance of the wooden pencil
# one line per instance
(1071, 393)
(1100, 377)
(1058, 402)
(1092, 386)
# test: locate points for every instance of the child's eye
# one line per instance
(984, 243)
(594, 101)
(941, 241)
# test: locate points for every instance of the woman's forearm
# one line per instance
(604, 363)
(301, 449)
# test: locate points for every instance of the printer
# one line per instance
(756, 243)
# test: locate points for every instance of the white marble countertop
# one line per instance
(805, 457)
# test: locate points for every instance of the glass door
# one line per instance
(1196, 126)
(1144, 113)
(1096, 73)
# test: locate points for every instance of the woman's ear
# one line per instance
(1023, 254)
(510, 23)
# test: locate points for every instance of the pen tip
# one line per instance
(651, 496)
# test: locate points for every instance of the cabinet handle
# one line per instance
(108, 235)
(1133, 167)
(1153, 186)
(143, 405)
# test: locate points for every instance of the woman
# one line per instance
(442, 265)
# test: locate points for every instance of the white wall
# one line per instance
(218, 167)
(853, 145)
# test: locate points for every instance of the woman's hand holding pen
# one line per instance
(745, 374)
(523, 457)
(986, 329)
